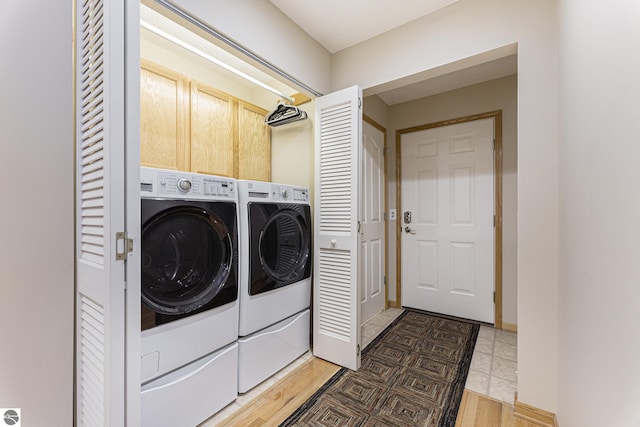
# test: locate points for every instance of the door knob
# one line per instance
(409, 230)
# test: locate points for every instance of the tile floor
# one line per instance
(494, 366)
(377, 324)
(493, 370)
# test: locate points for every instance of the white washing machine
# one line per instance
(275, 278)
(189, 307)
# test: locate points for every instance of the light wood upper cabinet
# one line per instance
(190, 126)
(213, 125)
(164, 111)
(254, 143)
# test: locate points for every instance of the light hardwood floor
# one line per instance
(477, 410)
(279, 401)
(275, 404)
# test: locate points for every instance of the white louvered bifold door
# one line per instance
(336, 299)
(100, 212)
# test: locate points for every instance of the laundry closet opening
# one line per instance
(226, 228)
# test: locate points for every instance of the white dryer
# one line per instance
(189, 307)
(275, 278)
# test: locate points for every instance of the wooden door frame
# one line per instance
(386, 205)
(497, 182)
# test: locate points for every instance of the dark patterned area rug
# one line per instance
(412, 374)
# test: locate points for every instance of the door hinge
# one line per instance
(384, 150)
(384, 215)
(359, 102)
(494, 297)
(494, 221)
(494, 144)
(358, 350)
(385, 280)
(124, 245)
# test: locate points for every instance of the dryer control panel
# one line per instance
(181, 185)
(261, 191)
(287, 193)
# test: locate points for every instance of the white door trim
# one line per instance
(497, 116)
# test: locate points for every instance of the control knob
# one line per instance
(184, 185)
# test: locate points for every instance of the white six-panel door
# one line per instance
(448, 220)
(372, 246)
(336, 294)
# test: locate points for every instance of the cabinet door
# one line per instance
(254, 144)
(164, 112)
(212, 131)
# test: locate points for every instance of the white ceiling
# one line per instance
(339, 24)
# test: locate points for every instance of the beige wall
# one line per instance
(599, 155)
(463, 34)
(377, 110)
(292, 151)
(500, 94)
(260, 27)
(36, 219)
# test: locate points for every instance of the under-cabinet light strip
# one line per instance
(212, 59)
(229, 42)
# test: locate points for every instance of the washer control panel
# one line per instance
(184, 185)
(165, 183)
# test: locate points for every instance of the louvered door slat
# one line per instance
(100, 281)
(336, 294)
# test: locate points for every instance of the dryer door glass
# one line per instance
(186, 259)
(281, 245)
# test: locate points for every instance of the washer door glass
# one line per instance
(186, 259)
